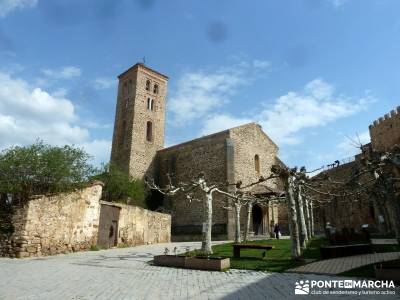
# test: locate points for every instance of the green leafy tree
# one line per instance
(120, 187)
(42, 169)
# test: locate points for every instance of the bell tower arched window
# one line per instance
(155, 89)
(148, 85)
(149, 131)
(150, 104)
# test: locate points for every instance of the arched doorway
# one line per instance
(257, 215)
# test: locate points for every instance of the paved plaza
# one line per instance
(126, 274)
(339, 265)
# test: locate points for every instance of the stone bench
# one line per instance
(345, 250)
(238, 247)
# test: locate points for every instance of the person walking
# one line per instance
(277, 231)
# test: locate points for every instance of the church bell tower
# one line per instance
(139, 120)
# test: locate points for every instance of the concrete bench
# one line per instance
(345, 250)
(237, 247)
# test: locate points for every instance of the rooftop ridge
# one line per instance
(137, 65)
(206, 136)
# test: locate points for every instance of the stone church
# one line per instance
(241, 153)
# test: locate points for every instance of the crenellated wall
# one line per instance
(385, 132)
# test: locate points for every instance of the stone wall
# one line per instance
(385, 132)
(250, 141)
(226, 156)
(186, 161)
(49, 225)
(131, 151)
(342, 213)
(139, 226)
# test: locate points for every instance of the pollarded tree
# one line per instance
(207, 192)
(243, 196)
(288, 178)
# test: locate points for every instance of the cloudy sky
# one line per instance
(313, 73)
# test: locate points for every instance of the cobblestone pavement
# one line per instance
(339, 265)
(126, 274)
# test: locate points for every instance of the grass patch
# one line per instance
(385, 248)
(277, 260)
(94, 248)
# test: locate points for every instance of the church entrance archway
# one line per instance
(257, 215)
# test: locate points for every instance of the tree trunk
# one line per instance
(292, 214)
(310, 203)
(238, 206)
(307, 215)
(207, 225)
(302, 221)
(248, 219)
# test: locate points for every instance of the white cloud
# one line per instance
(104, 83)
(99, 150)
(7, 6)
(315, 106)
(220, 122)
(350, 146)
(29, 113)
(261, 64)
(67, 72)
(204, 97)
(200, 93)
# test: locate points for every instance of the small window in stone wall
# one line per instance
(123, 133)
(125, 89)
(155, 89)
(257, 163)
(130, 86)
(149, 131)
(148, 85)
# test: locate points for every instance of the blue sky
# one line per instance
(311, 72)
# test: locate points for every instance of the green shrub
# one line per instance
(6, 211)
(120, 187)
(41, 169)
(94, 248)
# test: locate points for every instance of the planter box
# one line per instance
(170, 261)
(208, 263)
(388, 271)
(198, 263)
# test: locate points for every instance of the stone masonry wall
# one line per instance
(131, 151)
(49, 225)
(139, 226)
(186, 161)
(339, 213)
(385, 132)
(249, 140)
